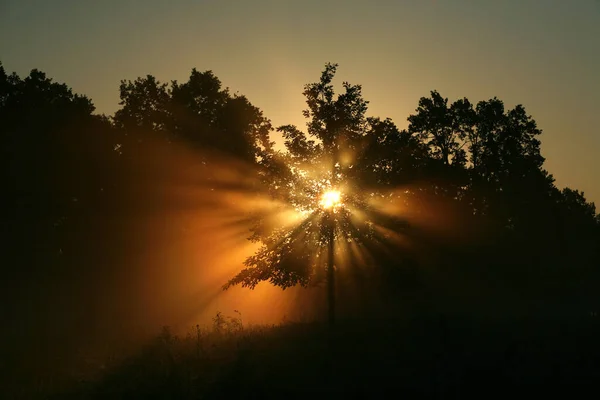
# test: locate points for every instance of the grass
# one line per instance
(425, 356)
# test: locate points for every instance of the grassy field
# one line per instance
(424, 356)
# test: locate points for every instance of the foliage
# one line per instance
(337, 151)
(199, 111)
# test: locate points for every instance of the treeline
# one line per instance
(67, 172)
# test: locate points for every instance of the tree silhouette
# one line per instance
(145, 106)
(42, 173)
(440, 127)
(339, 151)
(198, 111)
(491, 157)
(578, 226)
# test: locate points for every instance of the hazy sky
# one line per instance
(544, 54)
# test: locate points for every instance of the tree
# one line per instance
(441, 127)
(490, 158)
(199, 112)
(145, 106)
(443, 130)
(578, 228)
(511, 173)
(390, 157)
(339, 151)
(41, 122)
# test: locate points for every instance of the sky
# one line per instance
(544, 54)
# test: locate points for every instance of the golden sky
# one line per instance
(544, 54)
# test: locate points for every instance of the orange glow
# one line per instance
(191, 237)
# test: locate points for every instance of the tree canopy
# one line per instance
(477, 162)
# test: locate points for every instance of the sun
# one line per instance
(330, 199)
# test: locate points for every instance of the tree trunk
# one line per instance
(330, 272)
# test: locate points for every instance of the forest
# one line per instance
(452, 220)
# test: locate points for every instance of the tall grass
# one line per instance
(431, 356)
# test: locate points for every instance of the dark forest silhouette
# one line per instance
(494, 219)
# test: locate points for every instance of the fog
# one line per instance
(172, 231)
(156, 254)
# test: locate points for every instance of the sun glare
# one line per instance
(330, 199)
